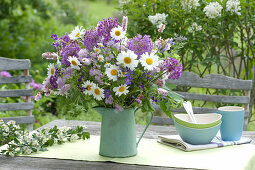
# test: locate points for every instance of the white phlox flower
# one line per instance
(213, 10)
(233, 6)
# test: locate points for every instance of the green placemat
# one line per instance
(150, 152)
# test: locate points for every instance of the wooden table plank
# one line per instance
(94, 129)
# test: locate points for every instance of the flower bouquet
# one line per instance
(116, 72)
(104, 65)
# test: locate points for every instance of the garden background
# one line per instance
(223, 45)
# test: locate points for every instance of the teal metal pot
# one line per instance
(118, 132)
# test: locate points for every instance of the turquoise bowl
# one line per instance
(197, 136)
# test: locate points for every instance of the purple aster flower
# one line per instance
(128, 79)
(92, 72)
(54, 37)
(67, 73)
(81, 78)
(70, 50)
(109, 100)
(104, 28)
(140, 44)
(141, 86)
(90, 39)
(107, 93)
(5, 74)
(172, 67)
(64, 89)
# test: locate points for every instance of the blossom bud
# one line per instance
(50, 56)
(162, 91)
(86, 61)
(161, 27)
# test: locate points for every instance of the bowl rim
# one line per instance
(220, 117)
(198, 128)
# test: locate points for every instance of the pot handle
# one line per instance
(145, 126)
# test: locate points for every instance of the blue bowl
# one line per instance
(197, 136)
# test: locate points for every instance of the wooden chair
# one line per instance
(211, 81)
(17, 64)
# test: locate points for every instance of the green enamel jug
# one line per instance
(118, 132)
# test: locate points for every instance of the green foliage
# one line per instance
(23, 142)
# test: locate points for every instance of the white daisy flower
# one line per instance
(77, 33)
(100, 58)
(122, 89)
(88, 85)
(97, 50)
(117, 33)
(128, 59)
(149, 61)
(51, 69)
(75, 63)
(100, 45)
(112, 72)
(97, 92)
(107, 65)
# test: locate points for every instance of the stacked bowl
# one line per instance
(199, 133)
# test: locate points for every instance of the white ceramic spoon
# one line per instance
(188, 107)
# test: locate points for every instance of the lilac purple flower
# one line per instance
(53, 82)
(36, 86)
(141, 86)
(172, 67)
(65, 39)
(162, 91)
(90, 39)
(5, 74)
(118, 108)
(70, 50)
(38, 96)
(140, 44)
(104, 28)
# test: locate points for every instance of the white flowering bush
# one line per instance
(220, 34)
(19, 141)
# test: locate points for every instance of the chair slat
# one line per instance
(215, 98)
(16, 106)
(15, 79)
(16, 93)
(214, 81)
(14, 64)
(20, 119)
(196, 110)
(162, 120)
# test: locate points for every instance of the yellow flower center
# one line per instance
(117, 33)
(114, 72)
(100, 45)
(127, 60)
(97, 50)
(122, 89)
(97, 92)
(74, 63)
(89, 87)
(100, 58)
(149, 61)
(52, 70)
(77, 35)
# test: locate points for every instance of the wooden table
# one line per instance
(94, 129)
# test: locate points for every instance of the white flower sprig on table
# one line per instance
(22, 142)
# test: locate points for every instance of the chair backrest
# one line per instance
(17, 64)
(211, 81)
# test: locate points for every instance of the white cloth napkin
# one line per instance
(177, 142)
